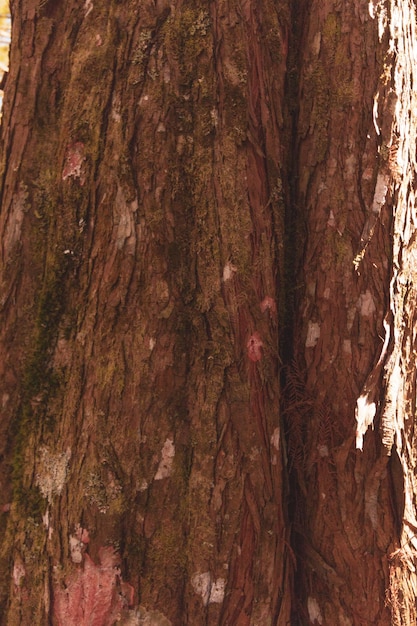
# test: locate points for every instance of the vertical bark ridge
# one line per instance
(344, 522)
(397, 419)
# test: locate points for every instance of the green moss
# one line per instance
(337, 62)
(32, 503)
(26, 497)
(174, 255)
(342, 90)
(236, 110)
(331, 31)
(97, 63)
(182, 468)
(39, 384)
(272, 36)
(328, 84)
(321, 109)
(134, 551)
(185, 34)
(81, 128)
(166, 553)
(111, 374)
(44, 195)
(38, 375)
(31, 537)
(343, 249)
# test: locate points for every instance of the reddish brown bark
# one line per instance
(201, 200)
(356, 171)
(141, 236)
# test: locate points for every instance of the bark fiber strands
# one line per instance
(356, 172)
(194, 194)
(141, 231)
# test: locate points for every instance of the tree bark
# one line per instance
(207, 296)
(354, 510)
(142, 232)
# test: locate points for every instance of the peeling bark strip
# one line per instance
(398, 415)
(142, 239)
(366, 404)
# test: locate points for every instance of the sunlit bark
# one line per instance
(207, 344)
(142, 238)
(355, 318)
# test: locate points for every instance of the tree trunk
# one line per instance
(202, 202)
(142, 238)
(354, 509)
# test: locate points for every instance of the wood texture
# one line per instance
(141, 240)
(207, 360)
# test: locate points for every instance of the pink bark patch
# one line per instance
(254, 346)
(268, 304)
(19, 572)
(74, 159)
(93, 595)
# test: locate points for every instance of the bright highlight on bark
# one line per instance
(5, 30)
(5, 27)
(365, 413)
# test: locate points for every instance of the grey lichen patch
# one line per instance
(144, 617)
(211, 591)
(140, 57)
(52, 472)
(201, 24)
(104, 490)
(139, 53)
(167, 457)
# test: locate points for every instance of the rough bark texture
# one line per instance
(141, 232)
(195, 194)
(354, 344)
